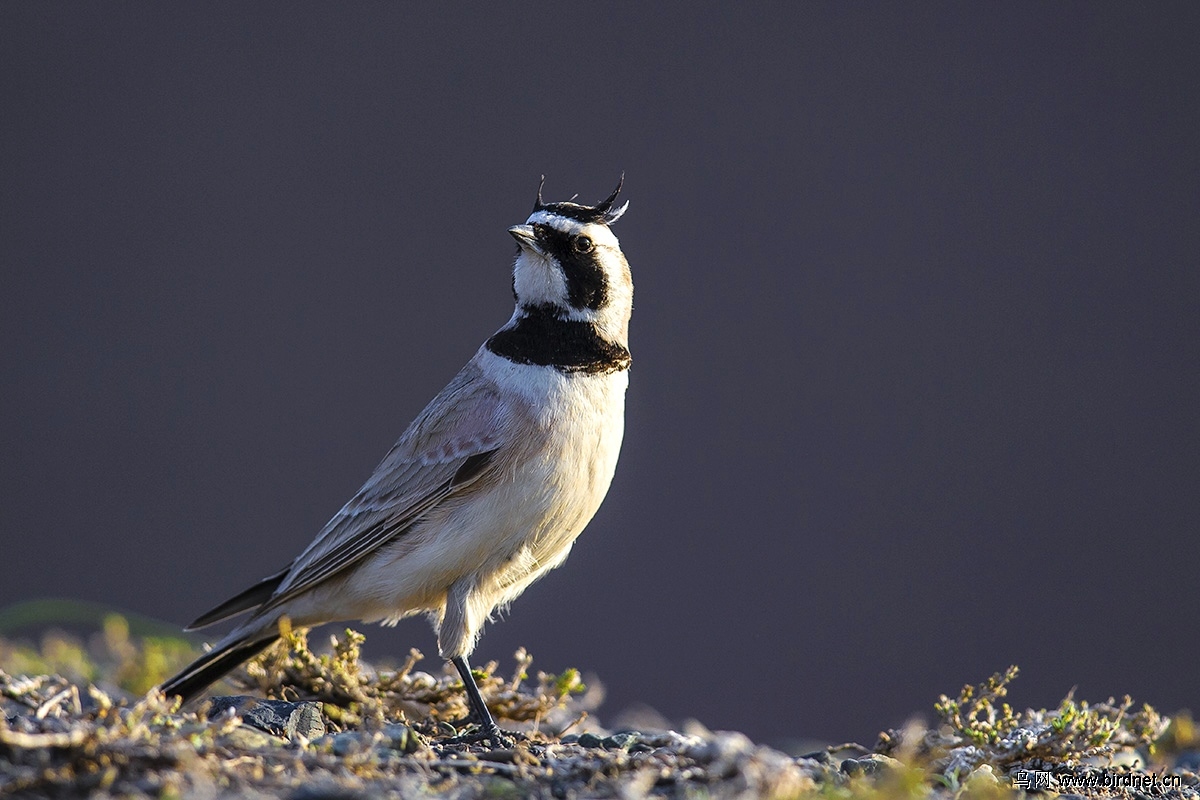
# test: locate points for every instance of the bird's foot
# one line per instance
(498, 739)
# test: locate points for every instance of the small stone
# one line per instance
(267, 716)
(221, 705)
(618, 741)
(306, 722)
(570, 738)
(872, 764)
(724, 746)
(590, 740)
(247, 738)
(384, 754)
(672, 740)
(398, 736)
(347, 744)
(983, 775)
(277, 717)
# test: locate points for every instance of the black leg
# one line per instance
(475, 700)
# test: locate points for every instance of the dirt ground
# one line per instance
(80, 717)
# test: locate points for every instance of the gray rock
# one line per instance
(983, 776)
(823, 757)
(401, 738)
(724, 746)
(247, 738)
(277, 717)
(305, 722)
(590, 740)
(869, 765)
(347, 744)
(618, 741)
(671, 739)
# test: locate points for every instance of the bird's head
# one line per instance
(568, 261)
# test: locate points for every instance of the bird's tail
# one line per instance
(213, 665)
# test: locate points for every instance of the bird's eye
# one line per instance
(582, 244)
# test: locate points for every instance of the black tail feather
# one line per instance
(212, 666)
(255, 596)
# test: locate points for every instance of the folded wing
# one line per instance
(451, 447)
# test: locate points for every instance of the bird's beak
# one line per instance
(524, 236)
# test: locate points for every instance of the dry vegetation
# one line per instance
(77, 720)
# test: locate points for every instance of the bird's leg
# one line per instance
(475, 701)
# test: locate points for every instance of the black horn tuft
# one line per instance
(606, 206)
(539, 204)
(602, 212)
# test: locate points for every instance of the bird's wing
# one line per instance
(451, 446)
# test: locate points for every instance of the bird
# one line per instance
(490, 485)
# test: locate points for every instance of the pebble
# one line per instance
(869, 765)
(983, 775)
(671, 739)
(347, 744)
(393, 739)
(823, 757)
(277, 717)
(723, 746)
(305, 723)
(619, 741)
(398, 736)
(247, 738)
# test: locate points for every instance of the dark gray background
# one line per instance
(915, 341)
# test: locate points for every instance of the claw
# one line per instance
(497, 738)
(488, 729)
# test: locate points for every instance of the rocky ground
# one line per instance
(77, 720)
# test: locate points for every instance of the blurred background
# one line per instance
(916, 339)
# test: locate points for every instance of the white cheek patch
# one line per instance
(602, 236)
(538, 280)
